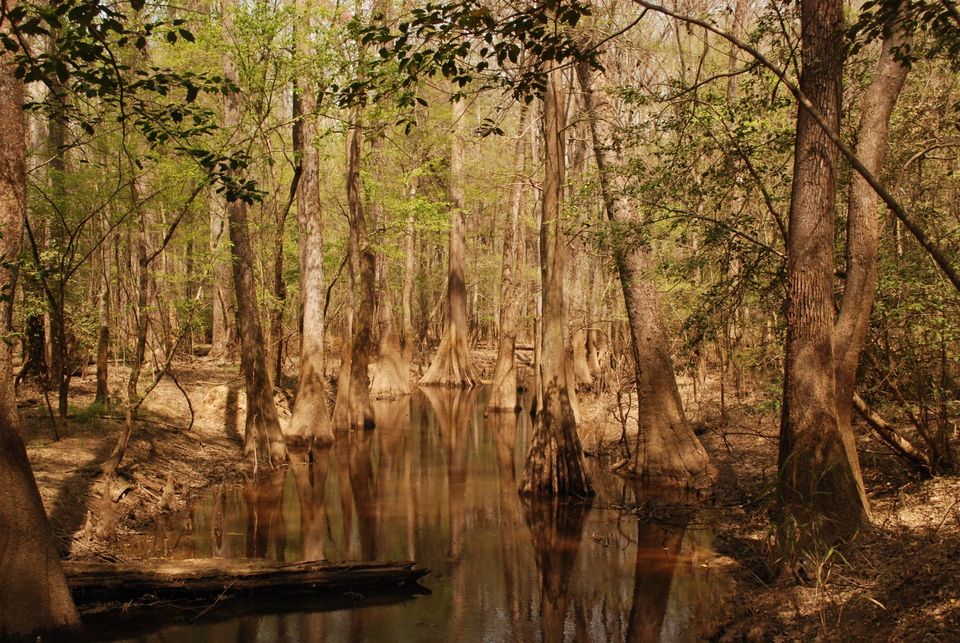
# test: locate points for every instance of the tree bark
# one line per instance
(818, 494)
(353, 408)
(223, 335)
(554, 465)
(310, 422)
(34, 599)
(408, 275)
(503, 390)
(853, 322)
(668, 452)
(451, 364)
(392, 378)
(103, 308)
(262, 436)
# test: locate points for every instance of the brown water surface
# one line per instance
(436, 482)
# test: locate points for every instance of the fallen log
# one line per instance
(199, 578)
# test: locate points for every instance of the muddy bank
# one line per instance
(195, 445)
(900, 581)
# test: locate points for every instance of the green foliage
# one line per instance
(466, 42)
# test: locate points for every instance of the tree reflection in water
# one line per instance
(437, 482)
(556, 527)
(265, 525)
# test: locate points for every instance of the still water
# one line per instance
(436, 483)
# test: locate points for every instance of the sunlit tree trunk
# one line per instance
(667, 452)
(103, 309)
(222, 340)
(555, 465)
(408, 275)
(34, 598)
(392, 378)
(451, 365)
(503, 390)
(353, 409)
(853, 322)
(310, 421)
(819, 498)
(262, 436)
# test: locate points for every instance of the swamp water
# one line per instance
(436, 482)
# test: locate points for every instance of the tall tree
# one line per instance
(34, 598)
(668, 452)
(863, 229)
(554, 465)
(222, 337)
(262, 436)
(310, 420)
(819, 498)
(503, 391)
(451, 365)
(353, 409)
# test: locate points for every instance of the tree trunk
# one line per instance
(392, 378)
(310, 422)
(408, 275)
(278, 304)
(103, 309)
(13, 204)
(223, 336)
(819, 498)
(34, 598)
(353, 408)
(262, 436)
(56, 295)
(668, 452)
(503, 391)
(451, 365)
(554, 465)
(853, 322)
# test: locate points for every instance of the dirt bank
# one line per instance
(167, 445)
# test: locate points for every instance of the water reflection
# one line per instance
(436, 482)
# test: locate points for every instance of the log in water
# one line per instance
(196, 578)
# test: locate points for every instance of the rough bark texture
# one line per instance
(554, 465)
(853, 322)
(392, 378)
(581, 363)
(819, 500)
(13, 203)
(310, 422)
(262, 436)
(103, 311)
(503, 390)
(192, 578)
(668, 451)
(222, 340)
(451, 365)
(408, 275)
(34, 598)
(353, 408)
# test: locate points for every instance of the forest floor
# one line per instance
(190, 446)
(900, 582)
